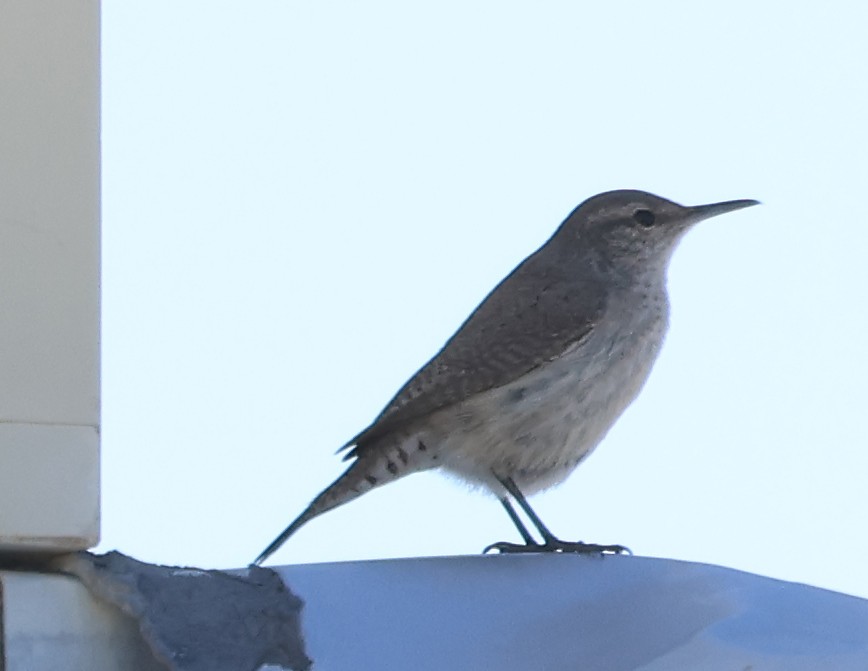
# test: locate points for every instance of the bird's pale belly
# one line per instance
(538, 428)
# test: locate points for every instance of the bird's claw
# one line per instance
(556, 545)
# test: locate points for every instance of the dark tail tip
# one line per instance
(354, 482)
(334, 495)
(283, 537)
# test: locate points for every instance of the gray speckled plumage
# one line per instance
(535, 377)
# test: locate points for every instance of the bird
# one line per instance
(539, 372)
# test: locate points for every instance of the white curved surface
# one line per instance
(570, 612)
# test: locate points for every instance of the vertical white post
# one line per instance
(49, 275)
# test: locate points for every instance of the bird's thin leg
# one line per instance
(516, 520)
(551, 543)
(515, 492)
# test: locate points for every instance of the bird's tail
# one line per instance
(374, 466)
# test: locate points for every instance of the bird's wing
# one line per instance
(530, 318)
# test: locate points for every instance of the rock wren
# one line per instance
(539, 372)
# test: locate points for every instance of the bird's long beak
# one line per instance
(700, 212)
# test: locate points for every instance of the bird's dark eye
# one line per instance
(644, 218)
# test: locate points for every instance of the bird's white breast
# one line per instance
(538, 428)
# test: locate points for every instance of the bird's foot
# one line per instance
(557, 545)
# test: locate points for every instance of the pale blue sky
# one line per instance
(302, 201)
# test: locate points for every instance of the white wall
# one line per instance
(49, 274)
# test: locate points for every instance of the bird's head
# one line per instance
(630, 229)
